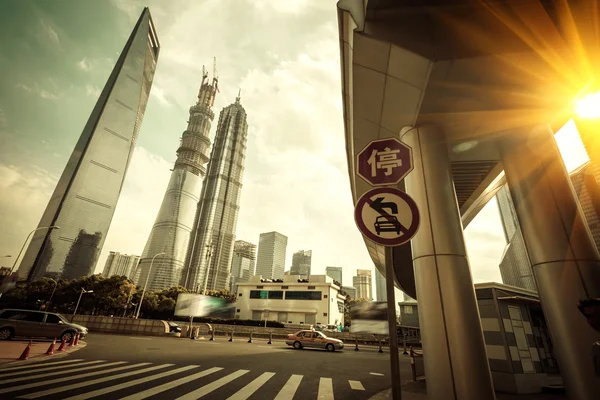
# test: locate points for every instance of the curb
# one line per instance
(38, 357)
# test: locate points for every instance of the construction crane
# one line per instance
(215, 77)
(204, 74)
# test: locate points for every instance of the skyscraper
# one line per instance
(362, 282)
(270, 261)
(242, 263)
(171, 231)
(588, 192)
(335, 273)
(210, 250)
(350, 290)
(301, 261)
(121, 265)
(86, 195)
(380, 288)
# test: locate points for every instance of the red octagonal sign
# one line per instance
(384, 162)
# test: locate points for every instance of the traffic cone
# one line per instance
(62, 346)
(25, 354)
(51, 348)
(72, 341)
(76, 339)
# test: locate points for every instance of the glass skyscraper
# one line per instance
(335, 273)
(242, 263)
(210, 250)
(173, 225)
(301, 262)
(85, 197)
(270, 261)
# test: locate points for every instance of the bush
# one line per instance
(241, 322)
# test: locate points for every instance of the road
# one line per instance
(134, 367)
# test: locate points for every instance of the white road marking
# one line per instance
(356, 385)
(252, 387)
(289, 389)
(376, 373)
(325, 389)
(41, 376)
(92, 382)
(206, 389)
(39, 364)
(53, 368)
(170, 385)
(139, 338)
(127, 384)
(69, 378)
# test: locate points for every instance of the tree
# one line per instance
(222, 294)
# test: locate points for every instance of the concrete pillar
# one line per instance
(565, 261)
(456, 364)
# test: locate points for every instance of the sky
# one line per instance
(283, 55)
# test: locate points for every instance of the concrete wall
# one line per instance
(147, 327)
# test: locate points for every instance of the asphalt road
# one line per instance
(135, 367)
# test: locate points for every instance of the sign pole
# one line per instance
(391, 300)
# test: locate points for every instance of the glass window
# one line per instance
(302, 295)
(33, 317)
(275, 294)
(52, 319)
(408, 310)
(285, 287)
(9, 314)
(258, 294)
(311, 287)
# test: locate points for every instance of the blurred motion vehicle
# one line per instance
(173, 327)
(313, 339)
(31, 323)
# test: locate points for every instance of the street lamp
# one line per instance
(81, 294)
(30, 233)
(137, 314)
(588, 107)
(53, 290)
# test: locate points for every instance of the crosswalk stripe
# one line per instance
(53, 368)
(356, 385)
(41, 376)
(206, 389)
(110, 389)
(325, 389)
(72, 377)
(252, 387)
(170, 385)
(290, 388)
(37, 365)
(92, 382)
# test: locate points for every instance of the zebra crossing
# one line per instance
(80, 379)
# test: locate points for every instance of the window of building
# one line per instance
(302, 295)
(238, 310)
(324, 314)
(285, 287)
(325, 296)
(408, 310)
(276, 294)
(259, 294)
(260, 287)
(340, 305)
(311, 287)
(240, 294)
(257, 315)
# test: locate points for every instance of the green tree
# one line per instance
(222, 294)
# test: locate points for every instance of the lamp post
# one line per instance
(52, 294)
(80, 294)
(137, 314)
(30, 233)
(209, 251)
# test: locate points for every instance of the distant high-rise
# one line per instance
(242, 262)
(335, 273)
(362, 282)
(270, 261)
(121, 265)
(350, 291)
(86, 195)
(380, 288)
(210, 250)
(301, 261)
(171, 231)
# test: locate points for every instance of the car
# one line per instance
(30, 323)
(387, 224)
(173, 327)
(314, 339)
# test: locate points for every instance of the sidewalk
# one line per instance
(11, 350)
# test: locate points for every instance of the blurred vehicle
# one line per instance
(173, 327)
(29, 323)
(313, 339)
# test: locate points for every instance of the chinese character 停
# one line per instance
(386, 159)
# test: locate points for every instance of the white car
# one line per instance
(313, 339)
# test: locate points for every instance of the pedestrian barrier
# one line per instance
(416, 364)
(25, 354)
(63, 344)
(270, 338)
(231, 337)
(212, 334)
(250, 340)
(50, 350)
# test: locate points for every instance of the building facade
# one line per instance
(210, 250)
(243, 263)
(335, 273)
(173, 225)
(380, 288)
(301, 262)
(363, 284)
(588, 193)
(121, 265)
(270, 261)
(316, 302)
(87, 192)
(350, 291)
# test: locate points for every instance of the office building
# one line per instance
(362, 282)
(588, 193)
(242, 263)
(350, 291)
(380, 288)
(121, 265)
(316, 302)
(335, 273)
(208, 260)
(270, 261)
(173, 225)
(87, 192)
(301, 261)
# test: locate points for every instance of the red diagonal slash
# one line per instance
(389, 217)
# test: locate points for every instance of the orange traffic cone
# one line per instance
(63, 344)
(51, 348)
(25, 354)
(76, 340)
(72, 341)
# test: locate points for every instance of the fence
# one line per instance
(148, 327)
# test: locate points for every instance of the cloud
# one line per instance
(92, 91)
(44, 94)
(37, 89)
(85, 64)
(159, 94)
(50, 32)
(23, 87)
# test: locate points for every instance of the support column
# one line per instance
(565, 261)
(456, 364)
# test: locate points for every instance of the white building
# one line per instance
(242, 263)
(121, 265)
(291, 300)
(270, 260)
(362, 282)
(380, 288)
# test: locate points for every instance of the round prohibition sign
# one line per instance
(387, 216)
